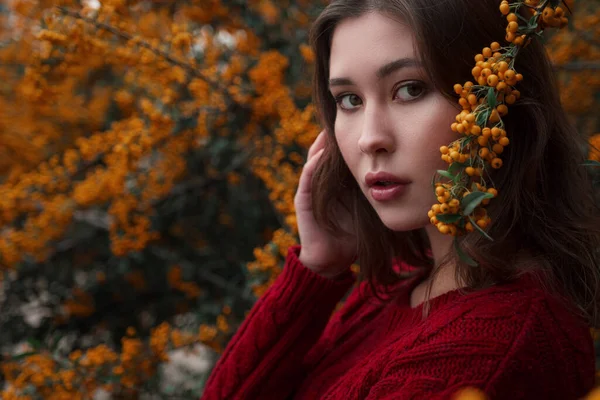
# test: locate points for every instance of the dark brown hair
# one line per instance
(545, 218)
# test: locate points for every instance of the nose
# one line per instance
(377, 132)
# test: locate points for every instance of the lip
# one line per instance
(373, 177)
(385, 193)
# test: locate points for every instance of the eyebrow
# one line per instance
(382, 72)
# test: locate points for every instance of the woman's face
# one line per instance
(389, 118)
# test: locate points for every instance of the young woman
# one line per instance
(422, 323)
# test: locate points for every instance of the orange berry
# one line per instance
(512, 27)
(501, 86)
(487, 132)
(494, 116)
(492, 80)
(483, 152)
(519, 77)
(440, 191)
(482, 140)
(458, 88)
(479, 57)
(444, 229)
(503, 66)
(487, 52)
(519, 40)
(509, 74)
(482, 223)
(475, 130)
(510, 99)
(444, 208)
(512, 17)
(504, 141)
(559, 12)
(517, 94)
(470, 171)
(498, 148)
(504, 8)
(454, 203)
(510, 37)
(496, 163)
(502, 110)
(493, 191)
(436, 208)
(547, 14)
(476, 71)
(486, 72)
(469, 227)
(495, 46)
(444, 150)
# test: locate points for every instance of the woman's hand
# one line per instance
(326, 254)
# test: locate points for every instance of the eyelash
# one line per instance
(339, 98)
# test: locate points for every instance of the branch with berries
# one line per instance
(465, 189)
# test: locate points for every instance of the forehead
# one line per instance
(365, 43)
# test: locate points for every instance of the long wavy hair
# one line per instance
(545, 219)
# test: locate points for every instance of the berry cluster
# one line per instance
(464, 190)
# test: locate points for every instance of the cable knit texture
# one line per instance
(513, 341)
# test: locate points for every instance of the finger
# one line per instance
(318, 144)
(304, 185)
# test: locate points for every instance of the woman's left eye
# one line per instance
(410, 91)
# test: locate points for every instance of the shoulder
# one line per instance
(521, 309)
(501, 335)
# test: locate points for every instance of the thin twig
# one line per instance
(579, 66)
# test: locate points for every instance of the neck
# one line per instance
(444, 281)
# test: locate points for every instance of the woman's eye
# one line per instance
(410, 91)
(348, 101)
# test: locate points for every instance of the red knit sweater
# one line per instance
(513, 341)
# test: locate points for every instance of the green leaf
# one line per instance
(480, 230)
(464, 256)
(23, 355)
(472, 200)
(36, 344)
(455, 167)
(591, 163)
(491, 98)
(483, 117)
(446, 174)
(448, 218)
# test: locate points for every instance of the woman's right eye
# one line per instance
(348, 101)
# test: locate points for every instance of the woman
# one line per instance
(517, 325)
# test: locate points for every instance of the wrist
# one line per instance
(331, 273)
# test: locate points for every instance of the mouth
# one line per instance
(386, 191)
(384, 179)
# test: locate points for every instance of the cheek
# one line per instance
(345, 141)
(440, 134)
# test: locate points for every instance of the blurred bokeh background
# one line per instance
(149, 156)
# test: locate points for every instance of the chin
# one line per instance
(400, 223)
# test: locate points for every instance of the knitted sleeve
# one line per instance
(264, 357)
(551, 356)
